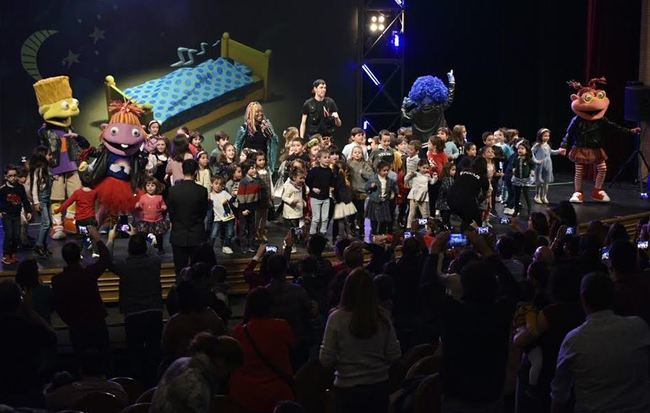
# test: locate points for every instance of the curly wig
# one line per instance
(428, 89)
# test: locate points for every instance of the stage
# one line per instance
(626, 206)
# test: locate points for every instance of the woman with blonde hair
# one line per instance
(257, 133)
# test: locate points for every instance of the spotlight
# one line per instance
(396, 39)
(381, 27)
(382, 19)
(373, 19)
(643, 195)
(373, 27)
(366, 125)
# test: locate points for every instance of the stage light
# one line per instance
(373, 19)
(396, 39)
(381, 19)
(373, 27)
(400, 3)
(381, 27)
(643, 195)
(366, 125)
(371, 75)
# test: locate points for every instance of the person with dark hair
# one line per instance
(37, 294)
(604, 362)
(180, 154)
(187, 204)
(473, 376)
(631, 289)
(353, 259)
(319, 113)
(193, 317)
(559, 215)
(191, 382)
(616, 232)
(248, 197)
(463, 195)
(77, 299)
(360, 344)
(538, 222)
(266, 376)
(141, 303)
(506, 248)
(13, 199)
(25, 336)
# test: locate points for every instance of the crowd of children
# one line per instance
(387, 179)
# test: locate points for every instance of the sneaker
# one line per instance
(48, 251)
(498, 199)
(576, 198)
(6, 260)
(41, 252)
(599, 195)
(226, 250)
(508, 211)
(95, 255)
(545, 200)
(538, 200)
(293, 249)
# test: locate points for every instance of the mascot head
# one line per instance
(55, 102)
(427, 90)
(589, 102)
(124, 134)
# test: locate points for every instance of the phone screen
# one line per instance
(483, 230)
(604, 253)
(83, 229)
(642, 245)
(570, 231)
(457, 240)
(408, 234)
(271, 248)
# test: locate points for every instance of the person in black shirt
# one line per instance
(12, 200)
(319, 113)
(463, 196)
(257, 133)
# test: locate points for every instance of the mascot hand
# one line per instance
(450, 76)
(636, 130)
(70, 135)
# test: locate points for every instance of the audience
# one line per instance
(35, 293)
(631, 289)
(191, 382)
(604, 362)
(266, 377)
(360, 344)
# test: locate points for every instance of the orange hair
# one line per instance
(125, 112)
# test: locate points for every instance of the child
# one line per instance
(289, 134)
(419, 194)
(224, 218)
(292, 198)
(157, 163)
(41, 189)
(262, 211)
(523, 174)
(248, 196)
(494, 173)
(385, 153)
(319, 181)
(469, 152)
(313, 147)
(23, 179)
(544, 170)
(181, 152)
(221, 138)
(13, 199)
(380, 189)
(227, 161)
(153, 127)
(446, 181)
(357, 138)
(413, 159)
(196, 139)
(85, 198)
(451, 150)
(360, 173)
(153, 207)
(203, 174)
(343, 207)
(459, 137)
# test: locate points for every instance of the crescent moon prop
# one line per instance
(29, 51)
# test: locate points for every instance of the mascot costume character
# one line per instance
(426, 103)
(118, 170)
(57, 108)
(586, 134)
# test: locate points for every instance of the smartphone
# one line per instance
(483, 230)
(271, 248)
(408, 234)
(458, 240)
(83, 230)
(504, 221)
(123, 223)
(570, 231)
(423, 221)
(604, 253)
(642, 245)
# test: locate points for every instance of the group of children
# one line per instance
(389, 178)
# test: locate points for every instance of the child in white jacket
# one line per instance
(419, 194)
(292, 198)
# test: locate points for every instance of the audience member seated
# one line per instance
(385, 288)
(190, 383)
(616, 232)
(142, 306)
(64, 392)
(339, 249)
(544, 254)
(291, 303)
(193, 317)
(25, 335)
(562, 214)
(506, 249)
(538, 222)
(353, 258)
(77, 299)
(266, 376)
(360, 344)
(473, 374)
(604, 362)
(405, 273)
(35, 293)
(631, 288)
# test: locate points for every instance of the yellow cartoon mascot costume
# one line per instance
(57, 107)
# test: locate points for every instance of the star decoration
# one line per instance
(97, 35)
(70, 59)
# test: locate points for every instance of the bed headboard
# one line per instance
(114, 93)
(256, 60)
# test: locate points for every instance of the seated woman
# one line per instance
(266, 376)
(193, 317)
(360, 344)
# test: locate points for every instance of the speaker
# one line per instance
(637, 103)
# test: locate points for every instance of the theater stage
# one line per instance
(626, 206)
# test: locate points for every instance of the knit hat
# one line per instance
(52, 90)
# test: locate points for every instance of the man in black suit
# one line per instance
(187, 204)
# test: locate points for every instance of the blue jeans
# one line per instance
(227, 228)
(11, 226)
(320, 212)
(46, 221)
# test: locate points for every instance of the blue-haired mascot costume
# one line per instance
(426, 104)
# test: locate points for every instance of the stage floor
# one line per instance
(625, 201)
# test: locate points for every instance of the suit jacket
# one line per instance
(187, 204)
